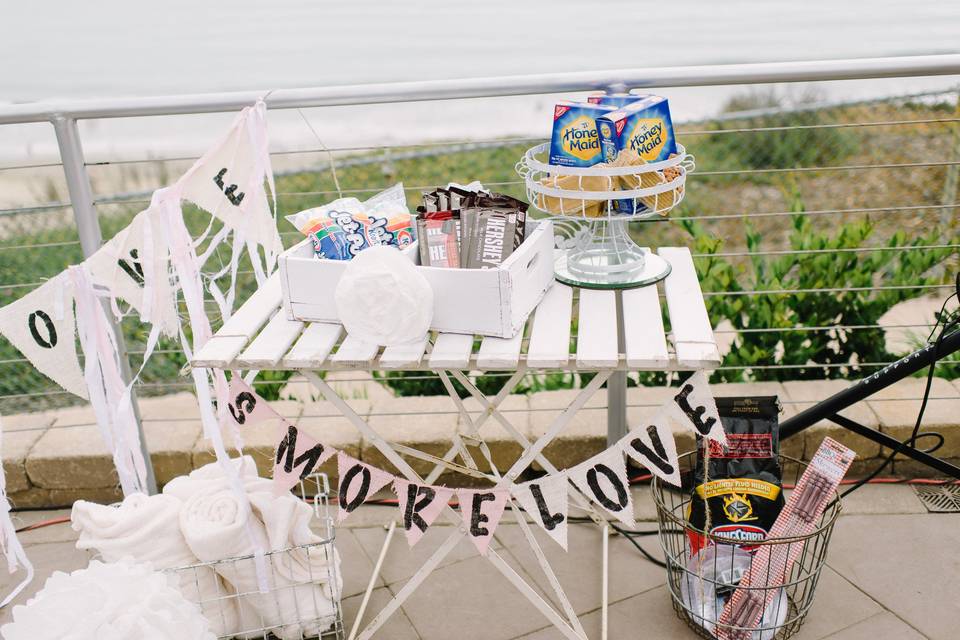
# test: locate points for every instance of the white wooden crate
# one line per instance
(260, 335)
(487, 302)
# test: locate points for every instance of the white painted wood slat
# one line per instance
(314, 346)
(597, 330)
(405, 355)
(693, 337)
(550, 332)
(268, 348)
(644, 339)
(355, 352)
(451, 351)
(499, 353)
(219, 352)
(255, 311)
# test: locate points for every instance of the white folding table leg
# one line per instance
(449, 513)
(531, 540)
(581, 501)
(373, 580)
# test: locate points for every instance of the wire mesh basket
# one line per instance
(592, 207)
(702, 581)
(302, 602)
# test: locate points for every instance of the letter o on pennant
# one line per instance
(349, 505)
(51, 340)
(622, 497)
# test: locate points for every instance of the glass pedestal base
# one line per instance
(600, 254)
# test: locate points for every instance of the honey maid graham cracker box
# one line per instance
(574, 142)
(643, 126)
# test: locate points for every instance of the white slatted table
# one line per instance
(571, 329)
(259, 337)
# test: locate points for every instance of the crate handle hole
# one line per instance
(533, 261)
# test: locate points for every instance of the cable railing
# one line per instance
(368, 168)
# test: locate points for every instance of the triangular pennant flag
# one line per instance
(358, 481)
(227, 181)
(42, 326)
(245, 407)
(133, 266)
(652, 445)
(420, 504)
(545, 500)
(298, 455)
(603, 479)
(694, 407)
(482, 510)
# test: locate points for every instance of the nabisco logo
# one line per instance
(559, 110)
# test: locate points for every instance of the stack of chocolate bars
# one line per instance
(464, 229)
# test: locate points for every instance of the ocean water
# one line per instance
(62, 49)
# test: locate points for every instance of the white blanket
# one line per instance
(147, 529)
(215, 526)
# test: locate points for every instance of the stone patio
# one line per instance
(893, 572)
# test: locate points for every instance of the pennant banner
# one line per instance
(545, 500)
(358, 481)
(42, 326)
(695, 408)
(420, 505)
(481, 510)
(603, 479)
(653, 446)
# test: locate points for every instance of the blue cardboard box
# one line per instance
(643, 126)
(574, 142)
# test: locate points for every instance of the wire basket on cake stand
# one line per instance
(592, 208)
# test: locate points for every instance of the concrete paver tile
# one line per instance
(355, 565)
(53, 533)
(470, 600)
(401, 561)
(579, 568)
(648, 614)
(837, 604)
(874, 499)
(397, 626)
(907, 563)
(883, 626)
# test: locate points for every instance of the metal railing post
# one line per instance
(88, 228)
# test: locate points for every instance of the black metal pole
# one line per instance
(908, 365)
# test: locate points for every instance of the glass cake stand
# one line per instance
(592, 208)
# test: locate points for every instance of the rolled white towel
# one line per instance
(216, 526)
(210, 478)
(115, 601)
(147, 529)
(286, 520)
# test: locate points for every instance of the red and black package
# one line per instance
(743, 487)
